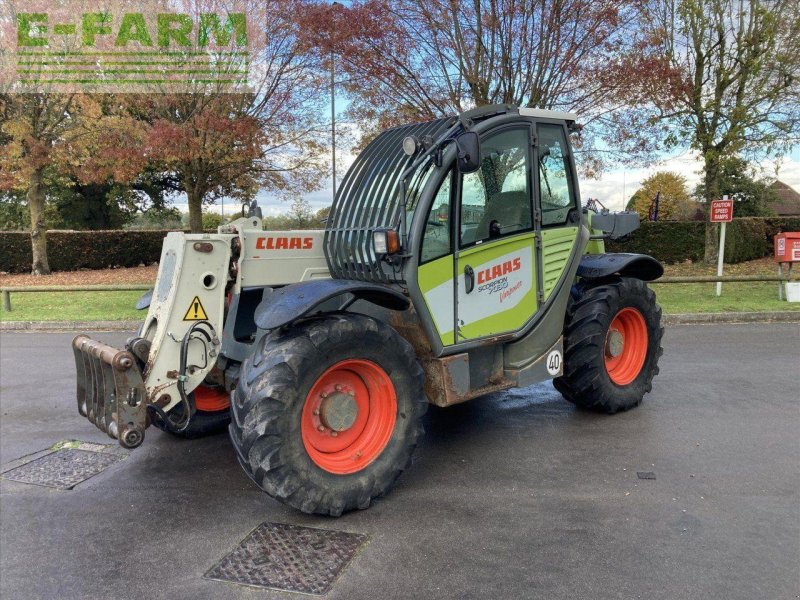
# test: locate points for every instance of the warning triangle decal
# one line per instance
(196, 312)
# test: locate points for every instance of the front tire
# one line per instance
(211, 416)
(326, 415)
(612, 343)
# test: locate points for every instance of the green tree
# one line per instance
(157, 218)
(14, 214)
(277, 223)
(300, 215)
(106, 203)
(730, 82)
(92, 205)
(211, 220)
(322, 216)
(674, 204)
(753, 195)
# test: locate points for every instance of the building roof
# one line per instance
(788, 202)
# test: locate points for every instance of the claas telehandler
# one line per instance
(457, 261)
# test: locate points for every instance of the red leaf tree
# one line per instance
(407, 60)
(222, 142)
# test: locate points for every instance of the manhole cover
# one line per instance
(290, 558)
(63, 469)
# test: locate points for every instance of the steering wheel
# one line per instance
(553, 207)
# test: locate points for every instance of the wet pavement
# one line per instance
(515, 495)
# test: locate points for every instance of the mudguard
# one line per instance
(639, 266)
(289, 303)
(145, 300)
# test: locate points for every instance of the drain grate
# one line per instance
(63, 469)
(290, 558)
(645, 475)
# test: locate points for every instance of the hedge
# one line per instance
(72, 250)
(668, 241)
(747, 238)
(775, 225)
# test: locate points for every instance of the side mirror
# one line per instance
(469, 152)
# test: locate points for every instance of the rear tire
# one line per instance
(364, 377)
(612, 343)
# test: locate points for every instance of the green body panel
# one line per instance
(556, 248)
(501, 301)
(435, 281)
(596, 247)
(522, 352)
(504, 296)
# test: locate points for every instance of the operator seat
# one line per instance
(510, 210)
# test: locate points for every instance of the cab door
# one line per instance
(495, 262)
(558, 203)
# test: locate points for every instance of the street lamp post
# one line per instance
(333, 126)
(333, 105)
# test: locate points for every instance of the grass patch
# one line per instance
(736, 297)
(73, 306)
(673, 298)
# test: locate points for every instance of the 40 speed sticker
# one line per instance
(554, 363)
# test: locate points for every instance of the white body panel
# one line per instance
(281, 257)
(189, 272)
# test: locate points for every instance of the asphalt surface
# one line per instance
(516, 495)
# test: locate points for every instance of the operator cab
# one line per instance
(477, 218)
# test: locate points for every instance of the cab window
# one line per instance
(436, 241)
(555, 182)
(495, 199)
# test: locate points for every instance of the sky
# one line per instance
(616, 186)
(613, 188)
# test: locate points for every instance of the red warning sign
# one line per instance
(721, 211)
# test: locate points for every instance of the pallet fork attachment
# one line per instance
(111, 391)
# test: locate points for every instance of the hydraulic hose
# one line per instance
(182, 376)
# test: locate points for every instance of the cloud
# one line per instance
(614, 188)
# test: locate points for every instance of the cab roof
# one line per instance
(540, 113)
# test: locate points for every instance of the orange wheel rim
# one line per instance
(626, 346)
(349, 416)
(211, 399)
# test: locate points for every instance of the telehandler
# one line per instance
(457, 261)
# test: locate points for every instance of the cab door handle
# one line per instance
(469, 279)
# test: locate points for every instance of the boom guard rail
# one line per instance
(111, 391)
(369, 198)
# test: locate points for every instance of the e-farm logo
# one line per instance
(130, 50)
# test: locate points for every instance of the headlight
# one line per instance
(410, 145)
(379, 242)
(385, 241)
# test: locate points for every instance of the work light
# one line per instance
(385, 241)
(411, 145)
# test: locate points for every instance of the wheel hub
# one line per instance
(615, 343)
(349, 416)
(626, 346)
(338, 411)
